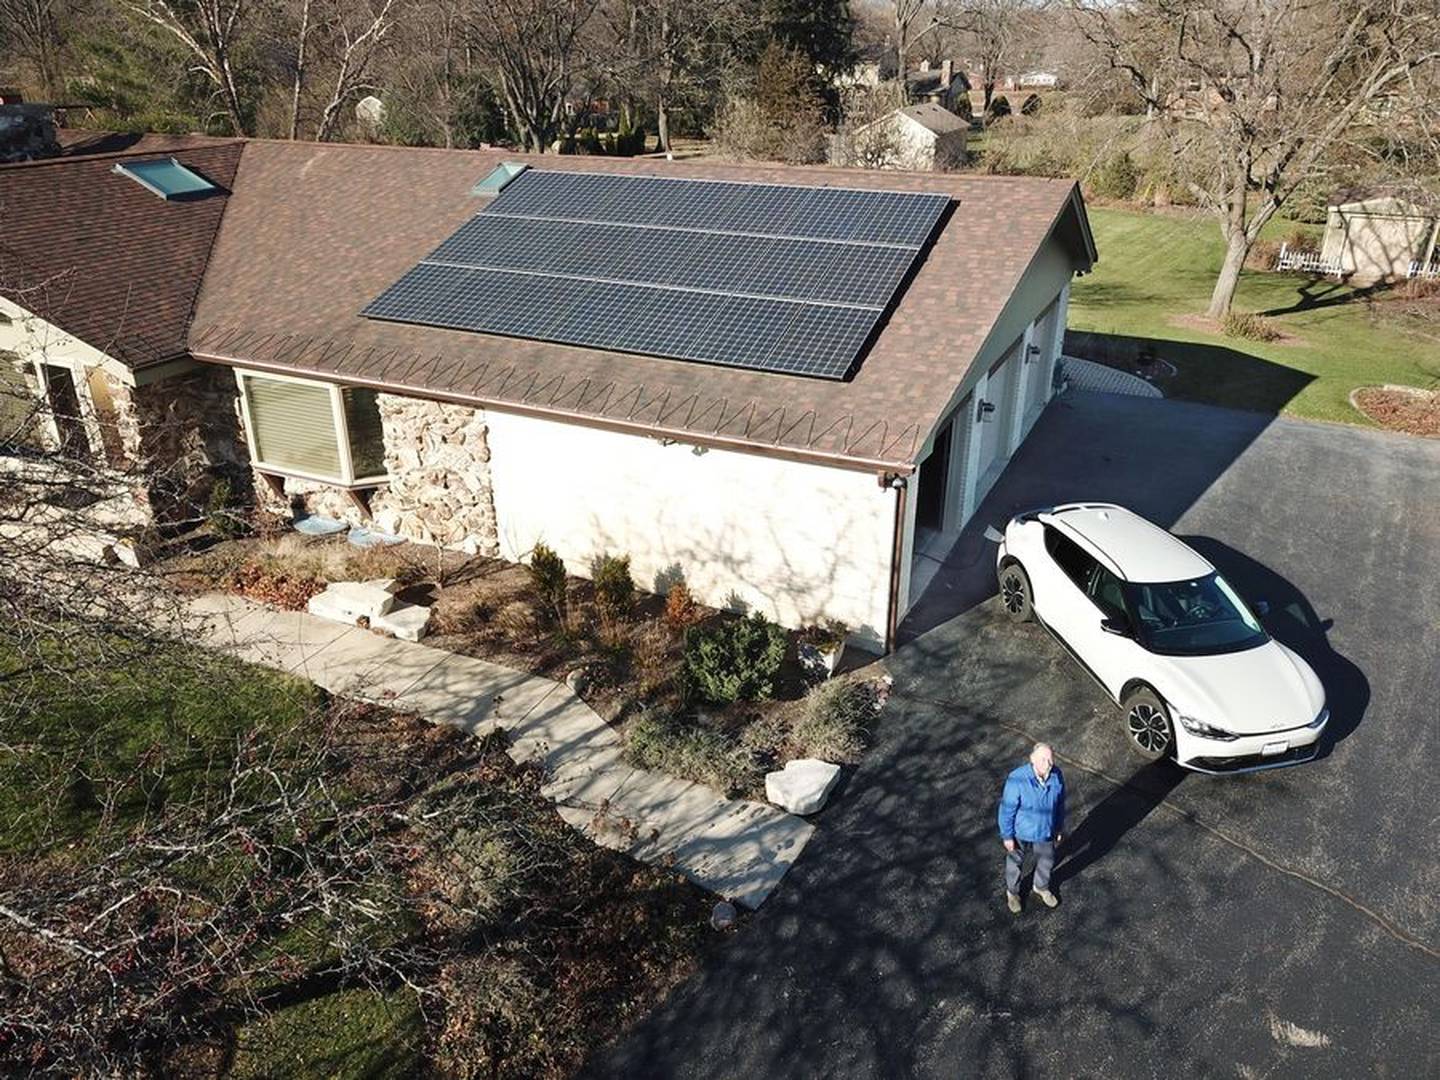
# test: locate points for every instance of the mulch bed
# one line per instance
(1412, 411)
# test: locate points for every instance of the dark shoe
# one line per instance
(1048, 898)
(1012, 901)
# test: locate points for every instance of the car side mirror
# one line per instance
(1118, 627)
(1262, 608)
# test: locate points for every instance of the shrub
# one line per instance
(688, 750)
(833, 726)
(221, 513)
(517, 622)
(258, 581)
(550, 582)
(681, 610)
(1248, 325)
(1117, 177)
(614, 588)
(735, 660)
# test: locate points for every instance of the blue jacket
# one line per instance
(1030, 810)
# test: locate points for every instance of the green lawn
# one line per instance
(1154, 268)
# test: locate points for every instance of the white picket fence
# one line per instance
(1418, 271)
(1308, 261)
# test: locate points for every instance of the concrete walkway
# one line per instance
(733, 847)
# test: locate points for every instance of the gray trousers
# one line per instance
(1044, 851)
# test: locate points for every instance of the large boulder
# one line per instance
(803, 785)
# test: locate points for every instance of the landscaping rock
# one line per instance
(347, 601)
(803, 785)
(408, 622)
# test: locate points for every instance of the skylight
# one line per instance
(497, 178)
(166, 177)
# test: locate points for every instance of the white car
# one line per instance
(1167, 637)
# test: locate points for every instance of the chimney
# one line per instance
(947, 71)
(924, 65)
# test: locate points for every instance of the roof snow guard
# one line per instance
(166, 177)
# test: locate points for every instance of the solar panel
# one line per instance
(791, 280)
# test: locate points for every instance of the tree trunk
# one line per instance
(1237, 247)
(299, 70)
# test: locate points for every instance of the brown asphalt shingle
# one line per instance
(105, 259)
(314, 232)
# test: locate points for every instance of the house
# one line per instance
(874, 64)
(1035, 80)
(1380, 237)
(771, 381)
(918, 137)
(942, 86)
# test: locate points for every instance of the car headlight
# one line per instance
(1321, 720)
(1204, 730)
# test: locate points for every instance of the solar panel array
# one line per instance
(783, 279)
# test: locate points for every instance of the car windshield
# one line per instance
(1190, 618)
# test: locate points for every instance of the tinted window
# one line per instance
(1070, 557)
(1192, 618)
(1108, 593)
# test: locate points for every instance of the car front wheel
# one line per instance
(1015, 591)
(1147, 725)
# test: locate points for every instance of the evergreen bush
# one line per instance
(734, 660)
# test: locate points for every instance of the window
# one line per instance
(1194, 618)
(313, 429)
(166, 177)
(1070, 557)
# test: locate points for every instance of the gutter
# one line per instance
(625, 427)
(897, 556)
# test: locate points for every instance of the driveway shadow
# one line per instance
(1293, 622)
(1114, 816)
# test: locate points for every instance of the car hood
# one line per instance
(1268, 688)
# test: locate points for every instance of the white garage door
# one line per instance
(995, 428)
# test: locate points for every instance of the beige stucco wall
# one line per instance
(898, 142)
(795, 541)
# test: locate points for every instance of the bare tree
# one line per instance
(210, 31)
(912, 21)
(34, 28)
(994, 33)
(354, 34)
(1257, 95)
(535, 48)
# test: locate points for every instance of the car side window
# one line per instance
(1109, 596)
(1070, 557)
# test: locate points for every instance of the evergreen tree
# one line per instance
(821, 30)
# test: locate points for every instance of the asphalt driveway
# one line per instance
(1275, 924)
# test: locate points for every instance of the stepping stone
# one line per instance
(347, 601)
(803, 785)
(363, 538)
(404, 621)
(314, 525)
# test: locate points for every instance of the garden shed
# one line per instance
(1381, 238)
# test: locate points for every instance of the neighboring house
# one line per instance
(874, 64)
(942, 86)
(918, 137)
(221, 332)
(1380, 238)
(1035, 80)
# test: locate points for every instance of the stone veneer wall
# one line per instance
(179, 435)
(438, 457)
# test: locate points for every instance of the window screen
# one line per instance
(362, 418)
(294, 426)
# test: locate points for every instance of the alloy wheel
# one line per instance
(1012, 593)
(1148, 728)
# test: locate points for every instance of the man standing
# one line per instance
(1032, 819)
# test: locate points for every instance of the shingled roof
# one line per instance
(96, 254)
(314, 232)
